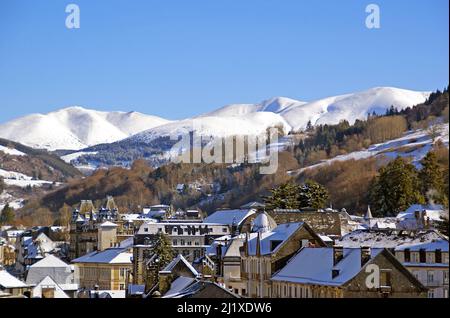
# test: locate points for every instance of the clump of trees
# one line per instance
(395, 188)
(7, 215)
(400, 184)
(295, 196)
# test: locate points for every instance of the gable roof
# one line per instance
(169, 268)
(50, 261)
(280, 235)
(315, 266)
(178, 285)
(197, 287)
(385, 239)
(9, 281)
(48, 281)
(228, 217)
(108, 256)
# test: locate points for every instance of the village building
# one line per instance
(92, 230)
(267, 251)
(48, 288)
(428, 262)
(104, 270)
(188, 238)
(10, 286)
(59, 272)
(176, 276)
(345, 273)
(420, 217)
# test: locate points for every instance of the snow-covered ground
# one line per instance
(6, 198)
(11, 151)
(414, 145)
(76, 155)
(20, 180)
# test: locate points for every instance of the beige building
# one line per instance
(345, 273)
(104, 270)
(428, 262)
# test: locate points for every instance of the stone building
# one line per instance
(267, 251)
(345, 273)
(92, 230)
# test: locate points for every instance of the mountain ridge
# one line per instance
(76, 128)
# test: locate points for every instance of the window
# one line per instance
(146, 229)
(122, 272)
(122, 286)
(430, 277)
(407, 255)
(224, 230)
(430, 293)
(385, 278)
(438, 256)
(175, 242)
(430, 258)
(183, 242)
(414, 257)
(445, 277)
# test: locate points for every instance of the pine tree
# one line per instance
(293, 196)
(395, 188)
(7, 215)
(283, 197)
(432, 179)
(162, 248)
(312, 195)
(2, 185)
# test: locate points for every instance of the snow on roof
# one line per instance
(108, 224)
(228, 217)
(110, 293)
(9, 281)
(326, 238)
(175, 261)
(108, 256)
(11, 151)
(434, 212)
(178, 285)
(49, 282)
(316, 265)
(385, 239)
(435, 244)
(50, 261)
(280, 234)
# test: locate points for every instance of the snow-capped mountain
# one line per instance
(76, 128)
(292, 115)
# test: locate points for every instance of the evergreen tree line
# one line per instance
(400, 184)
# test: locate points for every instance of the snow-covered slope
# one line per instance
(217, 126)
(413, 145)
(351, 107)
(76, 128)
(273, 105)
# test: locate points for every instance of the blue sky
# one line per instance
(178, 58)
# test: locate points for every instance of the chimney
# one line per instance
(338, 254)
(365, 255)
